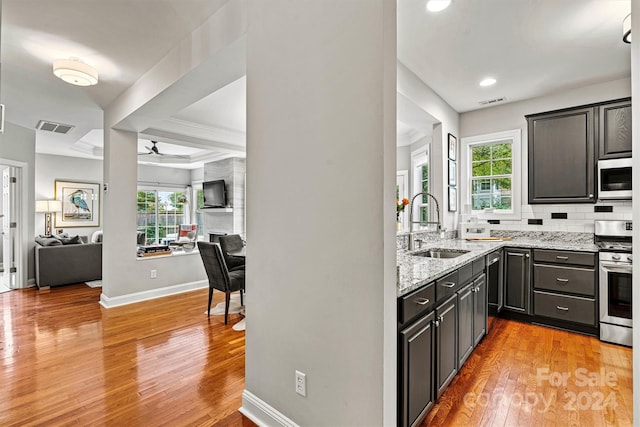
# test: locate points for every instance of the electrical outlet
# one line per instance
(301, 383)
(154, 274)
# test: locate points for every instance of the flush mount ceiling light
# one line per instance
(75, 72)
(489, 81)
(626, 29)
(437, 5)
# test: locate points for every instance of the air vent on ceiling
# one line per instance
(53, 127)
(493, 101)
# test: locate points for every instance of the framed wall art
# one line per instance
(453, 146)
(453, 199)
(80, 204)
(452, 173)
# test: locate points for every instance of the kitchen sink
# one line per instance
(440, 253)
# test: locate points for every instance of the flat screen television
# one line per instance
(215, 194)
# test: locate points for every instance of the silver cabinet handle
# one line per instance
(591, 196)
(526, 255)
(436, 323)
(494, 260)
(562, 280)
(422, 301)
(564, 258)
(448, 284)
(440, 318)
(562, 308)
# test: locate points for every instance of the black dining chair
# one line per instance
(232, 243)
(220, 277)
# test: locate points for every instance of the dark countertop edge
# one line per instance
(467, 258)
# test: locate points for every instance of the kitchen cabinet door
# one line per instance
(465, 323)
(446, 344)
(517, 280)
(480, 307)
(614, 130)
(562, 156)
(416, 372)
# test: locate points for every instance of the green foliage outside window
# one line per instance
(160, 214)
(491, 172)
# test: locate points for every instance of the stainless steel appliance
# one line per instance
(615, 268)
(614, 178)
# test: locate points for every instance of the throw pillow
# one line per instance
(48, 241)
(75, 240)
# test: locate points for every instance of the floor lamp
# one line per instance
(48, 207)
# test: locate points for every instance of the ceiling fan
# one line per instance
(154, 151)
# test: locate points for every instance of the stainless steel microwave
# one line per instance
(614, 179)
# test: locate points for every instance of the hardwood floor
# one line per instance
(527, 375)
(65, 360)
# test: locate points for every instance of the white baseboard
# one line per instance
(110, 302)
(262, 413)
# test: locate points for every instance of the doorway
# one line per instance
(11, 265)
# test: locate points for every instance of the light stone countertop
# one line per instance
(415, 271)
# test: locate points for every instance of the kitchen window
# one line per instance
(491, 175)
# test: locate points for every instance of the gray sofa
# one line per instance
(68, 264)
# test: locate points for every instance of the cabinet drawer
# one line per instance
(562, 307)
(417, 302)
(565, 257)
(446, 286)
(565, 279)
(478, 266)
(465, 274)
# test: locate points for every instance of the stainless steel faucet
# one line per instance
(411, 221)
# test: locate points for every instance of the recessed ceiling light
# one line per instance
(75, 72)
(488, 82)
(437, 5)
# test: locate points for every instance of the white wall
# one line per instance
(511, 116)
(158, 175)
(423, 96)
(320, 218)
(403, 158)
(18, 144)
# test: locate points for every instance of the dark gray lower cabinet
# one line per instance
(446, 343)
(479, 309)
(517, 280)
(416, 382)
(465, 323)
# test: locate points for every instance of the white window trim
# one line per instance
(402, 180)
(516, 185)
(419, 156)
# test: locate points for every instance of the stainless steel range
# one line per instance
(614, 240)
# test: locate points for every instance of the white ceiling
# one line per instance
(532, 47)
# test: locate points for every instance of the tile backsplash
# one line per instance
(579, 217)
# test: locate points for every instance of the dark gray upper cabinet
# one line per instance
(562, 156)
(517, 280)
(614, 130)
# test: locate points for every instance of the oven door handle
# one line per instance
(616, 268)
